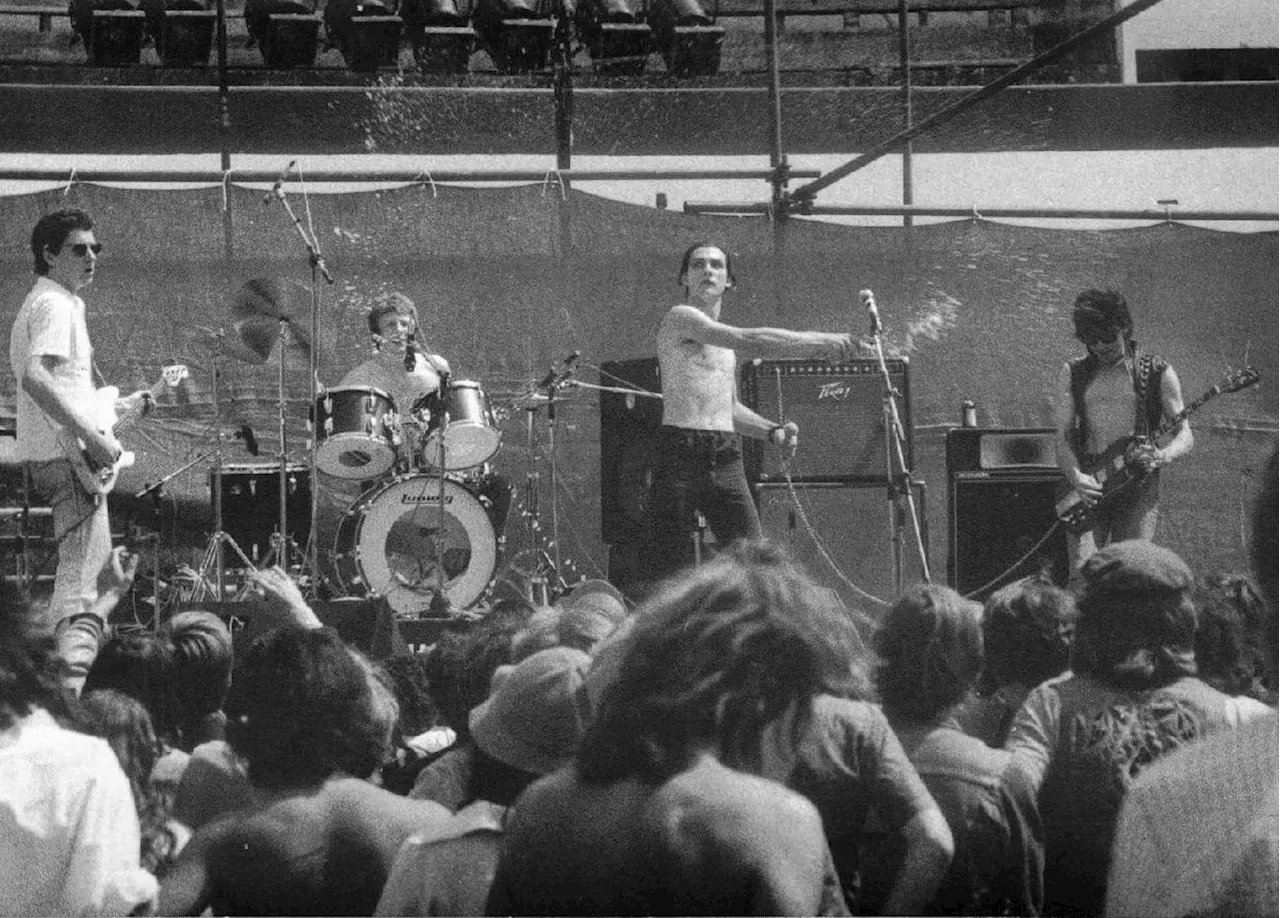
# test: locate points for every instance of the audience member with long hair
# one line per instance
(663, 810)
(124, 723)
(1199, 833)
(320, 838)
(1132, 697)
(930, 649)
(1027, 629)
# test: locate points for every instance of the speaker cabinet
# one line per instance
(628, 432)
(840, 410)
(1000, 509)
(853, 526)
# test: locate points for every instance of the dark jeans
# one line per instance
(696, 470)
(1132, 514)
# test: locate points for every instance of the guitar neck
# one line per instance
(1185, 413)
(134, 412)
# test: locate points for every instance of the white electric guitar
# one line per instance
(97, 479)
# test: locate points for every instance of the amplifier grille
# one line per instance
(840, 410)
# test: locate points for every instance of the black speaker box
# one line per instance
(853, 526)
(628, 429)
(1000, 509)
(840, 410)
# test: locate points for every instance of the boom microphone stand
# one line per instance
(310, 563)
(900, 493)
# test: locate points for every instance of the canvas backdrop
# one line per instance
(508, 280)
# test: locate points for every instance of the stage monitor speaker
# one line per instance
(628, 433)
(853, 525)
(1000, 509)
(840, 410)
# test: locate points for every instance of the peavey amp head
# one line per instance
(840, 410)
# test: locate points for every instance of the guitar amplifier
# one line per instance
(1000, 513)
(840, 410)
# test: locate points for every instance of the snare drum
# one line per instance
(356, 432)
(470, 436)
(394, 540)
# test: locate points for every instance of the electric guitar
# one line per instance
(1120, 464)
(97, 479)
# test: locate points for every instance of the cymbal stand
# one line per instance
(310, 561)
(213, 550)
(900, 484)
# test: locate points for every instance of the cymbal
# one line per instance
(273, 298)
(227, 343)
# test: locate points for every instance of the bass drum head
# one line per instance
(387, 544)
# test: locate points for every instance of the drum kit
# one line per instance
(420, 533)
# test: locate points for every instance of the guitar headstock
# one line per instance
(1237, 380)
(174, 375)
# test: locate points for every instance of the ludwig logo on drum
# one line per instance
(425, 499)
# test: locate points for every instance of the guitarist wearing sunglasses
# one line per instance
(1111, 401)
(58, 403)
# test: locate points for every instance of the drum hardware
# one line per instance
(213, 552)
(264, 302)
(413, 540)
(310, 559)
(547, 581)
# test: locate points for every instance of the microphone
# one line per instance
(275, 189)
(869, 301)
(553, 377)
(410, 354)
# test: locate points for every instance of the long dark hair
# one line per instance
(125, 724)
(930, 649)
(28, 667)
(716, 656)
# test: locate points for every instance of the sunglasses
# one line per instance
(80, 249)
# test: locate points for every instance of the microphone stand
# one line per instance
(440, 606)
(896, 466)
(310, 561)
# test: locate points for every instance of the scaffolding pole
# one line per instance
(805, 193)
(1163, 214)
(385, 176)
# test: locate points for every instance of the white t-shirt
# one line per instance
(69, 836)
(51, 323)
(386, 372)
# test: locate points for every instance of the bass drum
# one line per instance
(394, 539)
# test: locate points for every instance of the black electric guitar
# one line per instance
(1121, 464)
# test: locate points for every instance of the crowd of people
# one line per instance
(734, 744)
(730, 746)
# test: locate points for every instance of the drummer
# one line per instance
(401, 367)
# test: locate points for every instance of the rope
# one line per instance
(430, 181)
(559, 180)
(226, 182)
(71, 180)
